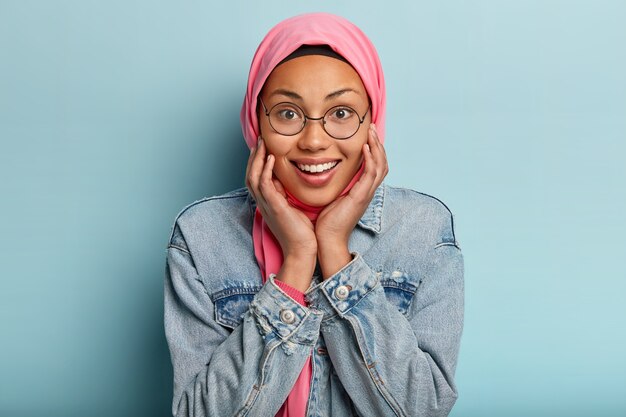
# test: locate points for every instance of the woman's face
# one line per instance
(315, 83)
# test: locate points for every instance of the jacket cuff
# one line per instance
(279, 315)
(343, 290)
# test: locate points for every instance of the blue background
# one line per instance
(114, 115)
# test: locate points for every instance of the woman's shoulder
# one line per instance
(216, 213)
(227, 201)
(420, 210)
(407, 199)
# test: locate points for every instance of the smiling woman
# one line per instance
(317, 289)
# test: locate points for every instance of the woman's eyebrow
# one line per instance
(288, 93)
(340, 92)
(296, 96)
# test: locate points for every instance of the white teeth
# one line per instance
(317, 168)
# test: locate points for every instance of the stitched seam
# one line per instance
(256, 389)
(235, 291)
(180, 248)
(406, 287)
(445, 244)
(370, 365)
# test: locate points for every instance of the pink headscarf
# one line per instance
(314, 29)
(348, 41)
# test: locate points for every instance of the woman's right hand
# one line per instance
(291, 227)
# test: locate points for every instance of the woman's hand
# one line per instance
(336, 222)
(291, 227)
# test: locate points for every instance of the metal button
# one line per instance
(342, 292)
(287, 316)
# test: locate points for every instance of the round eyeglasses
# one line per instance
(340, 122)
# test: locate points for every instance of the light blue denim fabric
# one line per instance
(384, 331)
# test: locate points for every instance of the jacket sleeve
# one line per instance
(391, 364)
(218, 372)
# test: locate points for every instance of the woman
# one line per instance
(317, 289)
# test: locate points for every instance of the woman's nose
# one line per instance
(313, 137)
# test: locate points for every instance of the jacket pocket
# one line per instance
(232, 303)
(399, 289)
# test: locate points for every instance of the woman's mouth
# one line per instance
(319, 168)
(316, 174)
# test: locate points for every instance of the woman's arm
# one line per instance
(391, 364)
(221, 373)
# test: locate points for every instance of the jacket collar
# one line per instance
(371, 219)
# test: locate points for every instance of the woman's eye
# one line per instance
(342, 113)
(288, 114)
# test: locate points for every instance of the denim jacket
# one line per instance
(384, 331)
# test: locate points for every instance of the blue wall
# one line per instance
(116, 114)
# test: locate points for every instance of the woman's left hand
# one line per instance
(336, 222)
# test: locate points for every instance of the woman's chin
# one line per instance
(318, 198)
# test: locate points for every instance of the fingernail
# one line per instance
(258, 142)
(368, 147)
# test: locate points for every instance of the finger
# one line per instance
(371, 167)
(361, 189)
(379, 156)
(266, 185)
(256, 166)
(266, 174)
(376, 147)
(378, 160)
(250, 159)
(253, 151)
(254, 179)
(259, 186)
(372, 152)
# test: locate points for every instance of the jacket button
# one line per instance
(342, 292)
(287, 316)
